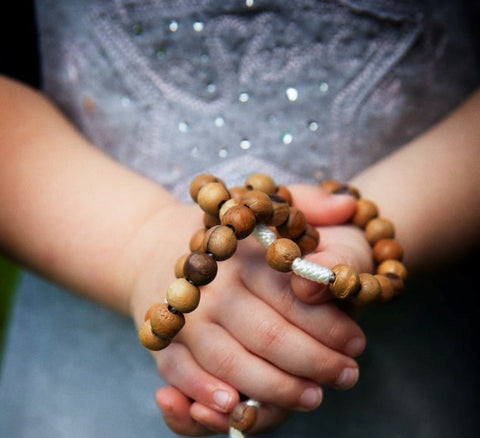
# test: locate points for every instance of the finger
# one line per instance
(325, 323)
(321, 208)
(175, 408)
(178, 367)
(221, 355)
(213, 420)
(268, 334)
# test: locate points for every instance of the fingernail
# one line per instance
(311, 398)
(348, 377)
(355, 346)
(222, 399)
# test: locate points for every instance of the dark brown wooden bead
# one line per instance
(379, 228)
(243, 417)
(294, 226)
(283, 192)
(393, 267)
(199, 181)
(211, 196)
(386, 249)
(346, 283)
(259, 202)
(280, 211)
(260, 181)
(195, 243)
(165, 323)
(149, 339)
(220, 241)
(309, 240)
(200, 268)
(281, 254)
(366, 211)
(210, 220)
(388, 290)
(241, 219)
(183, 296)
(370, 291)
(237, 192)
(179, 264)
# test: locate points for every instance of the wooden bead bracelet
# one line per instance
(265, 209)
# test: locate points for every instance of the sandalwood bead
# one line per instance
(195, 243)
(370, 291)
(366, 211)
(210, 220)
(397, 282)
(330, 185)
(243, 417)
(392, 267)
(281, 254)
(378, 228)
(241, 219)
(149, 339)
(280, 211)
(284, 193)
(199, 268)
(388, 290)
(259, 202)
(260, 181)
(386, 249)
(211, 196)
(294, 226)
(165, 322)
(346, 283)
(226, 206)
(309, 240)
(183, 295)
(220, 241)
(179, 264)
(237, 192)
(199, 181)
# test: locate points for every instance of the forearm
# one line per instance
(430, 189)
(68, 211)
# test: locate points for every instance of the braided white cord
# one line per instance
(301, 267)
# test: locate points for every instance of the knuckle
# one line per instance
(222, 363)
(268, 335)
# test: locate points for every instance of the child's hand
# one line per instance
(250, 331)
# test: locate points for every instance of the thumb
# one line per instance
(321, 208)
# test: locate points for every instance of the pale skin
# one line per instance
(93, 226)
(102, 231)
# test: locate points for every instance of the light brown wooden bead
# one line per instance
(280, 211)
(199, 268)
(259, 202)
(237, 192)
(370, 291)
(388, 290)
(284, 193)
(393, 267)
(148, 313)
(211, 196)
(366, 211)
(243, 417)
(379, 228)
(309, 240)
(226, 206)
(330, 185)
(294, 226)
(210, 220)
(346, 283)
(166, 323)
(195, 243)
(397, 282)
(179, 264)
(281, 254)
(386, 249)
(199, 181)
(220, 241)
(260, 181)
(149, 339)
(183, 295)
(241, 219)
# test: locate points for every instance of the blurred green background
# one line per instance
(8, 280)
